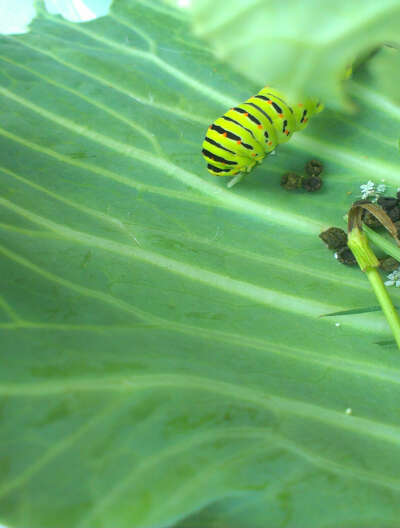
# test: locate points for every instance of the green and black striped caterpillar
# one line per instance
(245, 134)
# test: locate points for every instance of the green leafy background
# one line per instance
(303, 47)
(164, 359)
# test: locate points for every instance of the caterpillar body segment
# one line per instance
(240, 139)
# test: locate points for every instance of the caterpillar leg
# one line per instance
(240, 175)
(236, 179)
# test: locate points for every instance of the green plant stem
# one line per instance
(385, 301)
(382, 243)
(366, 259)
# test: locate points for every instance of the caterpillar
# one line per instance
(245, 134)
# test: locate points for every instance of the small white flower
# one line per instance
(368, 186)
(394, 278)
(367, 189)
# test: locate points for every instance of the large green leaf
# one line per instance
(300, 47)
(163, 356)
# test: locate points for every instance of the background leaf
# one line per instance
(164, 361)
(16, 15)
(303, 48)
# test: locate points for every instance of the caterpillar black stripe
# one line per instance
(245, 134)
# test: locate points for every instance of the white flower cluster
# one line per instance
(368, 190)
(394, 278)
